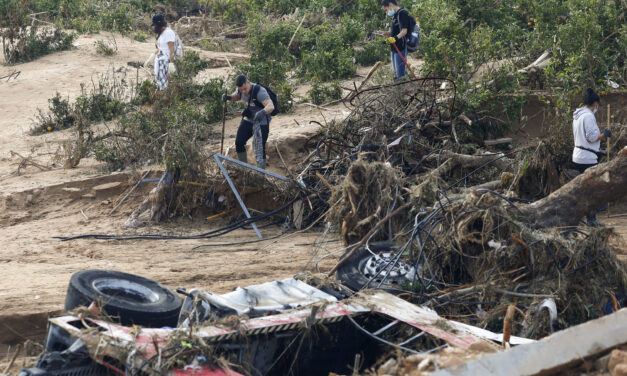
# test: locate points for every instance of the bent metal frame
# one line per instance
(219, 158)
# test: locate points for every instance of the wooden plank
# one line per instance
(551, 354)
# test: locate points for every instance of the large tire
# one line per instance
(131, 298)
(349, 273)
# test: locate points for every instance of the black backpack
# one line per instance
(271, 94)
(413, 34)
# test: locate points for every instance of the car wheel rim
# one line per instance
(125, 290)
(385, 271)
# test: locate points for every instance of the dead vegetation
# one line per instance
(477, 246)
(399, 167)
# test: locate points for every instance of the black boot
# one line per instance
(242, 157)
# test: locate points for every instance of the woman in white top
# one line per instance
(586, 133)
(587, 137)
(165, 50)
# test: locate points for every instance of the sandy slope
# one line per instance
(35, 207)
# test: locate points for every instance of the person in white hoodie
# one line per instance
(165, 50)
(587, 137)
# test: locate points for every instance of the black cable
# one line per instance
(206, 235)
(239, 243)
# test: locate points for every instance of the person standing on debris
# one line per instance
(255, 118)
(165, 50)
(587, 137)
(397, 35)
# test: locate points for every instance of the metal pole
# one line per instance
(608, 149)
(223, 121)
(237, 196)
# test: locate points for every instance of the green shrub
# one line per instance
(268, 42)
(169, 133)
(327, 65)
(285, 97)
(145, 92)
(371, 53)
(189, 66)
(327, 52)
(107, 48)
(104, 101)
(60, 116)
(23, 43)
(323, 52)
(232, 10)
(140, 36)
(267, 73)
(320, 93)
(211, 93)
(285, 6)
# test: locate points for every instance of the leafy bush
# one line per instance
(107, 48)
(169, 133)
(267, 73)
(285, 98)
(145, 92)
(327, 65)
(323, 52)
(320, 93)
(329, 52)
(140, 36)
(60, 115)
(371, 53)
(22, 39)
(189, 66)
(105, 101)
(211, 93)
(232, 10)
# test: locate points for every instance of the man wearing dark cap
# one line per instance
(255, 118)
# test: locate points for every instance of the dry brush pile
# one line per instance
(465, 223)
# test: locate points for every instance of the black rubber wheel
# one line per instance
(349, 273)
(131, 298)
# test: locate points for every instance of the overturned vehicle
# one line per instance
(133, 326)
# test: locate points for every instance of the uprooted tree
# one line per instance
(593, 188)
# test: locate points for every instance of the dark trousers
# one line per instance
(583, 167)
(245, 132)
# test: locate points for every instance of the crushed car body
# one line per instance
(273, 328)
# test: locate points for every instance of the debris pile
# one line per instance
(473, 249)
(443, 230)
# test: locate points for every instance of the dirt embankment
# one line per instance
(38, 204)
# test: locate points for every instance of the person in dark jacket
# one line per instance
(255, 118)
(398, 35)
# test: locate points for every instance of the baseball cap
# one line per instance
(157, 19)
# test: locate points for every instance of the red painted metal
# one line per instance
(113, 340)
(204, 372)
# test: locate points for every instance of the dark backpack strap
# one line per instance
(412, 21)
(253, 96)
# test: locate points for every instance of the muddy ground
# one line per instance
(39, 203)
